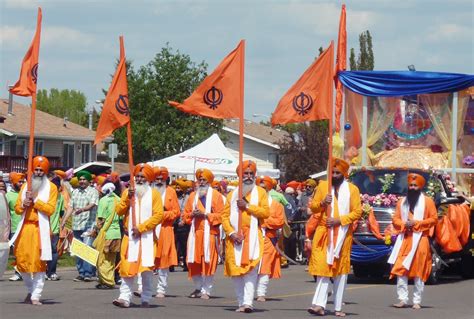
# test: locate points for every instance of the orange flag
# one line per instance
(26, 85)
(341, 60)
(220, 95)
(310, 98)
(115, 111)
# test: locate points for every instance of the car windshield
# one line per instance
(372, 181)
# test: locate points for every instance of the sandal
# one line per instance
(340, 314)
(195, 294)
(317, 311)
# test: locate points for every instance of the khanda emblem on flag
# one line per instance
(213, 97)
(121, 105)
(302, 103)
(34, 73)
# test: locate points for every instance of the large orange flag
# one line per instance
(310, 98)
(341, 59)
(220, 95)
(26, 85)
(115, 111)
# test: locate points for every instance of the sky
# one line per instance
(79, 43)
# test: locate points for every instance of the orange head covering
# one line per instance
(42, 162)
(16, 177)
(267, 180)
(293, 184)
(417, 178)
(217, 184)
(341, 165)
(248, 164)
(114, 177)
(161, 170)
(100, 180)
(61, 174)
(206, 174)
(188, 184)
(146, 170)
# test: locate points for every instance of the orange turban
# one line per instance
(16, 177)
(293, 184)
(42, 162)
(100, 180)
(61, 174)
(217, 184)
(206, 174)
(267, 180)
(161, 170)
(248, 164)
(341, 165)
(146, 170)
(188, 184)
(417, 178)
(114, 177)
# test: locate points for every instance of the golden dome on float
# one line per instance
(411, 156)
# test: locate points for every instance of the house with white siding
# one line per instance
(260, 142)
(66, 144)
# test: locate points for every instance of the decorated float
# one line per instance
(397, 122)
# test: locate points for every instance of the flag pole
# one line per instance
(31, 142)
(130, 167)
(330, 166)
(241, 132)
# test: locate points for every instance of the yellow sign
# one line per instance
(84, 252)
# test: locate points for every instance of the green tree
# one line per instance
(64, 103)
(365, 59)
(160, 130)
(305, 151)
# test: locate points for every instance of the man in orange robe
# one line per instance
(203, 212)
(32, 238)
(139, 243)
(415, 215)
(270, 263)
(166, 255)
(332, 241)
(244, 248)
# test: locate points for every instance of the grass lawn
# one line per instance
(64, 261)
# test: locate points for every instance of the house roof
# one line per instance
(256, 132)
(46, 125)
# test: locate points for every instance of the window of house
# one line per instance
(68, 154)
(2, 146)
(85, 152)
(18, 148)
(39, 148)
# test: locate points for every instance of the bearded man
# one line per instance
(414, 216)
(32, 238)
(203, 212)
(244, 246)
(332, 242)
(139, 243)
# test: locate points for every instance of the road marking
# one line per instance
(304, 293)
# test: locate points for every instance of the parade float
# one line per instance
(397, 122)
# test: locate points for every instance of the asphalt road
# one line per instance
(289, 298)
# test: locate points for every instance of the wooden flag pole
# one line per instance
(241, 132)
(31, 142)
(130, 167)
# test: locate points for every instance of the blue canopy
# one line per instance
(400, 83)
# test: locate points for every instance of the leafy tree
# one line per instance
(305, 151)
(365, 59)
(160, 130)
(64, 103)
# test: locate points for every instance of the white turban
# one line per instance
(108, 188)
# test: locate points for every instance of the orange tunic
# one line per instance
(260, 211)
(271, 258)
(199, 267)
(166, 255)
(317, 264)
(421, 264)
(27, 248)
(131, 269)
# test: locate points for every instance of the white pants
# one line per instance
(147, 287)
(402, 289)
(262, 285)
(204, 284)
(34, 283)
(162, 281)
(245, 287)
(322, 287)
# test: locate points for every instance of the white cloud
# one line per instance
(13, 37)
(449, 32)
(64, 36)
(22, 4)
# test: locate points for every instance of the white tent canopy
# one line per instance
(211, 154)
